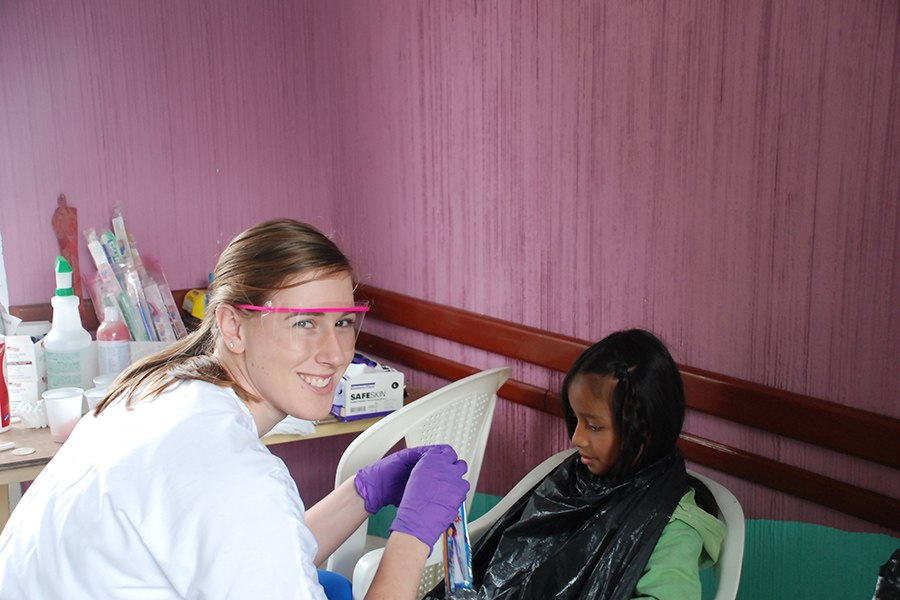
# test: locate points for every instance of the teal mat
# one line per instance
(782, 559)
(785, 559)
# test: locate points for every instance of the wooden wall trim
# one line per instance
(852, 500)
(516, 341)
(827, 424)
(44, 312)
(515, 391)
(844, 497)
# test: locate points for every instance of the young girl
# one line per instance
(166, 491)
(618, 519)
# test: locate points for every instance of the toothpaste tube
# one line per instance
(458, 558)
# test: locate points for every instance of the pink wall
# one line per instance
(726, 174)
(200, 118)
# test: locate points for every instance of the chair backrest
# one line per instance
(459, 414)
(731, 557)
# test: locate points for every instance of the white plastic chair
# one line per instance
(727, 569)
(459, 414)
(731, 557)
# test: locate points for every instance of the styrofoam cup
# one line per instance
(105, 380)
(63, 411)
(94, 396)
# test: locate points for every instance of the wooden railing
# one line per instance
(44, 312)
(848, 431)
(825, 424)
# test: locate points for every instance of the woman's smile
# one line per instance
(318, 383)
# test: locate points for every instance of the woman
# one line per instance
(166, 491)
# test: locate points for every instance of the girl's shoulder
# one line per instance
(709, 528)
(690, 541)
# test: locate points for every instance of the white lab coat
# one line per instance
(175, 498)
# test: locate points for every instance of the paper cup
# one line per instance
(105, 380)
(63, 411)
(94, 396)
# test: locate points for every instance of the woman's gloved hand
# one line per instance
(381, 484)
(433, 495)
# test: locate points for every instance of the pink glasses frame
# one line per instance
(340, 309)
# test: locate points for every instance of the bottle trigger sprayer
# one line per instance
(71, 358)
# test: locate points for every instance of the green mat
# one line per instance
(785, 559)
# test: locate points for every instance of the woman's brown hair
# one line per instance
(255, 264)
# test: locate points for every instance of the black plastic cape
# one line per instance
(888, 585)
(576, 536)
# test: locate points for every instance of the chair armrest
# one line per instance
(479, 526)
(364, 572)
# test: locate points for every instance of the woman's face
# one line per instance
(294, 360)
(595, 437)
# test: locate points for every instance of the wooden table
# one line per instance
(16, 469)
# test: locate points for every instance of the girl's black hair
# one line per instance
(647, 403)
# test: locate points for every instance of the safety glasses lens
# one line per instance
(300, 329)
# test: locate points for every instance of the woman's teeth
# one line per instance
(316, 382)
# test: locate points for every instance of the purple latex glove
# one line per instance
(381, 484)
(433, 495)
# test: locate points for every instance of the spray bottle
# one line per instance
(71, 358)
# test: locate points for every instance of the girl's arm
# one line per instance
(689, 540)
(672, 573)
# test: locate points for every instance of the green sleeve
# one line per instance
(673, 570)
(672, 573)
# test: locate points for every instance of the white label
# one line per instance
(63, 369)
(113, 357)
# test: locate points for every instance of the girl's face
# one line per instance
(595, 437)
(294, 360)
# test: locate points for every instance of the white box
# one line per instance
(26, 373)
(367, 389)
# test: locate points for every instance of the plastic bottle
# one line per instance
(71, 358)
(113, 342)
